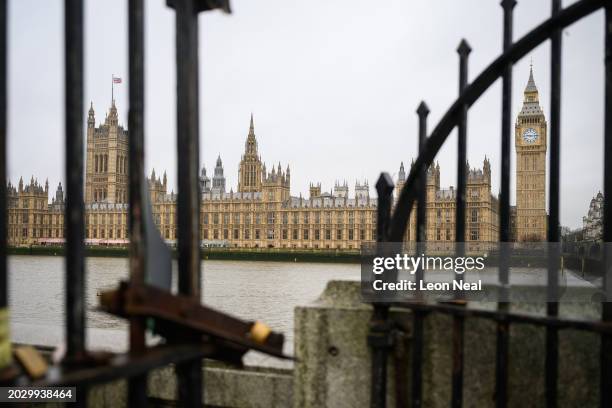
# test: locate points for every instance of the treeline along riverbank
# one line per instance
(570, 261)
(281, 255)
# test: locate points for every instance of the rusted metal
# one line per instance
(596, 326)
(181, 311)
(125, 366)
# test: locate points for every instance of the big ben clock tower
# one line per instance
(530, 142)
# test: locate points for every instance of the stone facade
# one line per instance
(106, 166)
(592, 223)
(530, 142)
(262, 213)
(482, 218)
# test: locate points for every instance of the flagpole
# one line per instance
(112, 88)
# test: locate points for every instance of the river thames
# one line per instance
(251, 290)
(266, 291)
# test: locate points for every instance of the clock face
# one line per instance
(530, 135)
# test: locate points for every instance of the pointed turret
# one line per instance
(531, 103)
(112, 118)
(250, 146)
(91, 116)
(401, 176)
(531, 86)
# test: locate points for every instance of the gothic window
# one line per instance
(317, 234)
(351, 234)
(284, 234)
(270, 233)
(235, 234)
(474, 215)
(295, 233)
(285, 219)
(205, 219)
(270, 218)
(257, 233)
(474, 234)
(339, 234)
(306, 218)
(247, 234)
(327, 234)
(305, 234)
(96, 163)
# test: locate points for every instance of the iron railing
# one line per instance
(392, 227)
(82, 368)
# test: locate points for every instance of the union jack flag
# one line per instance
(116, 80)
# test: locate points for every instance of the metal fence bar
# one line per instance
(74, 212)
(379, 338)
(501, 355)
(75, 246)
(188, 209)
(552, 307)
(417, 338)
(606, 340)
(137, 386)
(462, 170)
(4, 317)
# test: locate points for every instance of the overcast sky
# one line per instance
(333, 86)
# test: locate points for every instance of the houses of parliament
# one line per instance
(262, 213)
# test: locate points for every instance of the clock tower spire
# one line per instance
(530, 144)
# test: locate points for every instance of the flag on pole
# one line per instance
(117, 80)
